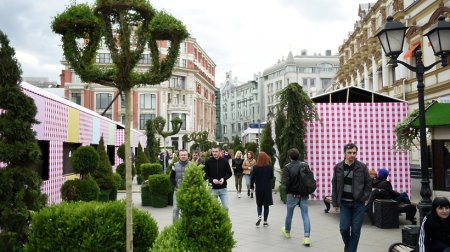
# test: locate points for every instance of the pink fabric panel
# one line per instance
(86, 129)
(56, 179)
(56, 120)
(371, 127)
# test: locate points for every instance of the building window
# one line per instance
(76, 97)
(145, 59)
(312, 82)
(102, 100)
(305, 82)
(122, 116)
(325, 82)
(183, 119)
(224, 129)
(184, 99)
(143, 118)
(232, 128)
(148, 101)
(177, 82)
(103, 58)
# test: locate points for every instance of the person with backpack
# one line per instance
(300, 183)
(351, 187)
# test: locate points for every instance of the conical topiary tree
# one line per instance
(126, 28)
(204, 224)
(141, 158)
(267, 142)
(152, 143)
(20, 185)
(103, 174)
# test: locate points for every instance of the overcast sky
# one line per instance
(244, 36)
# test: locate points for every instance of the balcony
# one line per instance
(178, 107)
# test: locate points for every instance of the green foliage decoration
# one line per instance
(199, 138)
(89, 226)
(85, 160)
(159, 122)
(204, 224)
(251, 146)
(407, 135)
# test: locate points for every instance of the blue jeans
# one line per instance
(247, 181)
(291, 203)
(223, 195)
(351, 220)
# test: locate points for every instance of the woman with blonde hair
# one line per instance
(247, 170)
(261, 178)
(236, 164)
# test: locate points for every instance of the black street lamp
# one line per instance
(391, 37)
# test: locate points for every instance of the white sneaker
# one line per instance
(239, 195)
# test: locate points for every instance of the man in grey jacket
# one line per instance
(176, 176)
(351, 185)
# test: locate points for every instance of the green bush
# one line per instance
(80, 190)
(121, 169)
(146, 196)
(117, 180)
(159, 186)
(85, 160)
(159, 183)
(89, 226)
(204, 224)
(148, 169)
(103, 173)
(141, 158)
(121, 151)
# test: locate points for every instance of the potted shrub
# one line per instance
(85, 189)
(159, 185)
(148, 169)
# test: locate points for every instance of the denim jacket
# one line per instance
(362, 184)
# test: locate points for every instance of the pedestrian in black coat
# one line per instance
(261, 178)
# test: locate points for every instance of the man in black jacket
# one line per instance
(217, 171)
(295, 196)
(351, 187)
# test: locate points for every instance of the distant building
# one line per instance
(240, 105)
(314, 73)
(42, 82)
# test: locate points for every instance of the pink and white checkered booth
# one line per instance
(367, 120)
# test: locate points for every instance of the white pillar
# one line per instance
(374, 75)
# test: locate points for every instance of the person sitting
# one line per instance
(434, 233)
(381, 182)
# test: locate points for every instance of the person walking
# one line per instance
(296, 195)
(351, 187)
(236, 164)
(261, 178)
(176, 176)
(217, 171)
(196, 158)
(247, 170)
(434, 233)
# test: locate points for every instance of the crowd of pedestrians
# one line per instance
(352, 184)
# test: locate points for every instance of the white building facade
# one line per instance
(312, 72)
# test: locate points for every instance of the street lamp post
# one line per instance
(391, 37)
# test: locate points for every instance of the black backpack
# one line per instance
(308, 182)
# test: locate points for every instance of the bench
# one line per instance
(409, 209)
(401, 247)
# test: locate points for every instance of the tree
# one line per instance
(267, 142)
(152, 143)
(103, 174)
(127, 28)
(204, 224)
(280, 122)
(299, 110)
(20, 185)
(159, 123)
(141, 158)
(200, 139)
